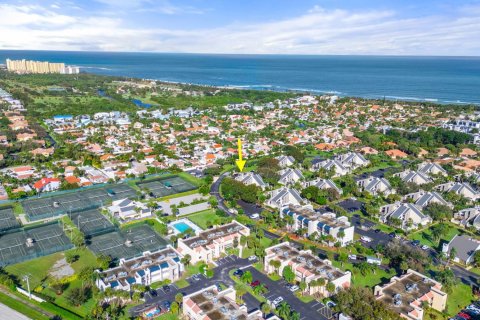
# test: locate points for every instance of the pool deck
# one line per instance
(189, 223)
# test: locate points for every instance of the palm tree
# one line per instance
(284, 310)
(295, 315)
(266, 309)
(303, 286)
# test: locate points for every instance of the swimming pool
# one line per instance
(181, 227)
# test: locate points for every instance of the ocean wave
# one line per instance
(98, 68)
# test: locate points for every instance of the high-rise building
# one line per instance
(29, 66)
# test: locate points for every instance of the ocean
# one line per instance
(432, 79)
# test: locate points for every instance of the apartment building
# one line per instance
(406, 294)
(211, 304)
(324, 224)
(149, 268)
(307, 267)
(210, 244)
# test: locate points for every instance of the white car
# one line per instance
(352, 256)
(277, 301)
(254, 216)
(366, 239)
(425, 247)
(252, 258)
(294, 288)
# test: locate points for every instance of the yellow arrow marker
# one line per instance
(240, 162)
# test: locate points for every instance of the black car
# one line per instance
(166, 305)
(377, 230)
(415, 243)
(166, 288)
(153, 293)
(238, 273)
(392, 234)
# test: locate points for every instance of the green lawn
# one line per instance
(21, 307)
(425, 236)
(369, 280)
(201, 218)
(36, 268)
(265, 242)
(182, 283)
(459, 297)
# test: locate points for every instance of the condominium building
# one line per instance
(151, 267)
(29, 66)
(324, 224)
(307, 267)
(211, 304)
(212, 243)
(406, 294)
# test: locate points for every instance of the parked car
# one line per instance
(254, 216)
(153, 293)
(238, 273)
(464, 315)
(352, 256)
(252, 258)
(377, 230)
(166, 288)
(294, 288)
(415, 243)
(392, 234)
(166, 305)
(425, 247)
(330, 304)
(366, 239)
(277, 301)
(255, 283)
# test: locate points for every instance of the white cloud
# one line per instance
(319, 31)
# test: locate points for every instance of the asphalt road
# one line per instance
(215, 191)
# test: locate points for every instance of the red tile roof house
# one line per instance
(24, 172)
(396, 154)
(47, 184)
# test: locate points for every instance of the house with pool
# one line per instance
(149, 268)
(212, 243)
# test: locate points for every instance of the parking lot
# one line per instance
(312, 310)
(198, 282)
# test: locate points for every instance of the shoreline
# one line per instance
(339, 94)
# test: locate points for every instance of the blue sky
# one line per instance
(421, 27)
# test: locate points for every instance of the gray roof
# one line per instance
(430, 197)
(404, 208)
(465, 246)
(284, 191)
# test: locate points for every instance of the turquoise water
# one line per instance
(435, 79)
(181, 227)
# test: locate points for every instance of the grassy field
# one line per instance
(460, 296)
(425, 236)
(369, 280)
(201, 218)
(39, 268)
(36, 268)
(21, 307)
(249, 252)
